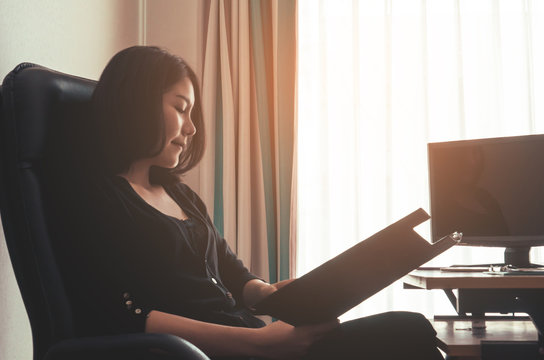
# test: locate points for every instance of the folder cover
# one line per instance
(348, 279)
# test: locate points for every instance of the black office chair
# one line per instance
(36, 103)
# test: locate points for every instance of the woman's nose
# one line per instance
(189, 128)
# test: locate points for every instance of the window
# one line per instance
(378, 80)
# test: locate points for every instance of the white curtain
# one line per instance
(377, 81)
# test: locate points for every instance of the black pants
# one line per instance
(391, 335)
(387, 336)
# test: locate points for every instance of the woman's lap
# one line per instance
(391, 335)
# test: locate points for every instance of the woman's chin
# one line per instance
(169, 166)
(172, 166)
(167, 162)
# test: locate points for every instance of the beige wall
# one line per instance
(74, 36)
(79, 37)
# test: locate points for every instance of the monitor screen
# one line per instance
(491, 190)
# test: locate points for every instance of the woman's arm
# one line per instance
(275, 341)
(255, 290)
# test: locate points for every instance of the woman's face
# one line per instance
(177, 104)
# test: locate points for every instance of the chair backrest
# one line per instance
(35, 103)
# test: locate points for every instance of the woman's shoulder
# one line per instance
(103, 183)
(105, 188)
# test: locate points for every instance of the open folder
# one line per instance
(348, 279)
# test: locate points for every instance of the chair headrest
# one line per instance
(37, 98)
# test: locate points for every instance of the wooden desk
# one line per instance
(455, 336)
(478, 292)
(457, 340)
(437, 279)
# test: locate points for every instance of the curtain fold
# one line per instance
(248, 99)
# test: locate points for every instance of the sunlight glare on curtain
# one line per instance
(377, 81)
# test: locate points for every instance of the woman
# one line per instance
(151, 259)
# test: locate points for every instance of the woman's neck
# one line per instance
(138, 174)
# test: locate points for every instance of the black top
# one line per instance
(128, 258)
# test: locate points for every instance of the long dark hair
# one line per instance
(127, 111)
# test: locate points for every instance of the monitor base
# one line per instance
(515, 256)
(518, 257)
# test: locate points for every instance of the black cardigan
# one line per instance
(128, 258)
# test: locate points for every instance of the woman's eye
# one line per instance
(181, 110)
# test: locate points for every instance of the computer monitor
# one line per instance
(491, 190)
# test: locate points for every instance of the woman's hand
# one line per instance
(280, 340)
(282, 283)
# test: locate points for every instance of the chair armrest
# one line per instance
(100, 345)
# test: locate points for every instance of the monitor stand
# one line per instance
(515, 256)
(518, 257)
